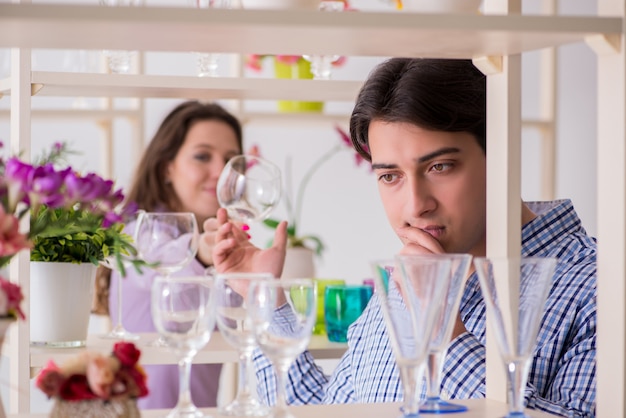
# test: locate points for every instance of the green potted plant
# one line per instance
(76, 221)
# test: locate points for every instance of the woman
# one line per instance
(178, 173)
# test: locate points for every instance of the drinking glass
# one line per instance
(516, 313)
(249, 188)
(320, 289)
(118, 332)
(411, 296)
(119, 61)
(231, 306)
(207, 63)
(321, 64)
(183, 311)
(270, 305)
(442, 333)
(168, 241)
(343, 304)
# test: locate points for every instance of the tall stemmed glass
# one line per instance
(516, 313)
(442, 333)
(168, 241)
(231, 291)
(119, 332)
(410, 296)
(249, 188)
(284, 333)
(183, 311)
(321, 64)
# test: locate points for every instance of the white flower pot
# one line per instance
(61, 295)
(299, 263)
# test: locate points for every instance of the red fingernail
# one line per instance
(245, 227)
(248, 236)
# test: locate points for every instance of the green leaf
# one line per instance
(271, 223)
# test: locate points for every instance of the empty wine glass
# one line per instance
(282, 314)
(411, 296)
(516, 313)
(207, 62)
(183, 311)
(442, 333)
(321, 64)
(249, 188)
(230, 292)
(168, 241)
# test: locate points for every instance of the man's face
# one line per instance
(432, 185)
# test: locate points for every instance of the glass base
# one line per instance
(190, 412)
(159, 342)
(119, 333)
(250, 408)
(439, 406)
(59, 344)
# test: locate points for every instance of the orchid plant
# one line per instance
(73, 217)
(294, 209)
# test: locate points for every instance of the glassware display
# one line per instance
(321, 64)
(168, 241)
(207, 63)
(119, 61)
(270, 305)
(234, 325)
(183, 311)
(442, 332)
(410, 291)
(249, 187)
(516, 313)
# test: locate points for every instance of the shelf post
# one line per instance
(611, 215)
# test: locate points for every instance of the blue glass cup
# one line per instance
(343, 304)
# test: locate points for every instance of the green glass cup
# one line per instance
(320, 286)
(343, 305)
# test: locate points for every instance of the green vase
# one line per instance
(301, 69)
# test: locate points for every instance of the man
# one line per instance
(422, 124)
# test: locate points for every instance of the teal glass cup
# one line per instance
(343, 305)
(320, 288)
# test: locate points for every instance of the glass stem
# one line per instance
(518, 374)
(244, 392)
(433, 368)
(282, 368)
(411, 376)
(119, 325)
(185, 405)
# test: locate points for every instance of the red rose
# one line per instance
(76, 388)
(49, 380)
(126, 353)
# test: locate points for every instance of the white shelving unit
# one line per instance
(494, 41)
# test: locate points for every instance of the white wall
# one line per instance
(341, 201)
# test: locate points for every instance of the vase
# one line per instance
(299, 263)
(301, 69)
(61, 296)
(5, 323)
(98, 408)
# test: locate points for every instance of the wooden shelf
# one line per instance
(217, 350)
(61, 84)
(291, 32)
(477, 408)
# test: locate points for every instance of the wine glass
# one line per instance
(516, 313)
(119, 332)
(168, 241)
(207, 62)
(442, 333)
(183, 311)
(249, 188)
(235, 327)
(411, 296)
(282, 314)
(321, 64)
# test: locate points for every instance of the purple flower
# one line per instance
(17, 175)
(46, 186)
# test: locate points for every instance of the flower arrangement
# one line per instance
(73, 218)
(294, 211)
(91, 376)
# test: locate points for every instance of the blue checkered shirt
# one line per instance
(562, 373)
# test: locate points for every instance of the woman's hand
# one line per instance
(233, 252)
